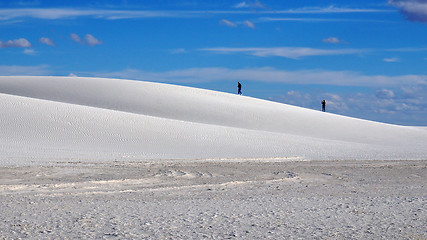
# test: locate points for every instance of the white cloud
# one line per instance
(76, 38)
(414, 10)
(246, 23)
(308, 19)
(271, 19)
(383, 105)
(249, 24)
(334, 102)
(295, 98)
(22, 42)
(41, 13)
(46, 41)
(29, 51)
(391, 59)
(242, 5)
(407, 49)
(14, 70)
(286, 52)
(249, 4)
(414, 92)
(333, 40)
(330, 9)
(384, 94)
(227, 23)
(91, 40)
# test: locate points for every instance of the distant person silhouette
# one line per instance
(323, 105)
(239, 88)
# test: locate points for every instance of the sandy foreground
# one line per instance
(233, 199)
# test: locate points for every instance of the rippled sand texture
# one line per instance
(216, 200)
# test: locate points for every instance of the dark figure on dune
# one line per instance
(323, 105)
(239, 88)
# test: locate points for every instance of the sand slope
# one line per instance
(48, 119)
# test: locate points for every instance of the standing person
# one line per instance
(239, 88)
(323, 105)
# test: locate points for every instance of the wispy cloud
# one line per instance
(334, 102)
(178, 51)
(242, 5)
(406, 49)
(15, 70)
(46, 41)
(76, 38)
(91, 40)
(333, 40)
(249, 24)
(88, 40)
(250, 4)
(272, 75)
(72, 13)
(301, 52)
(286, 52)
(245, 23)
(227, 23)
(414, 10)
(384, 93)
(300, 19)
(17, 43)
(394, 59)
(382, 105)
(331, 9)
(309, 19)
(30, 51)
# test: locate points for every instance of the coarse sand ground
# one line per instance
(239, 199)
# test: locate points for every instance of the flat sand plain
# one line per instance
(207, 199)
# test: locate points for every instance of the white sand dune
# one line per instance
(184, 166)
(51, 119)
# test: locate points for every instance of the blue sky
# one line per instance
(368, 59)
